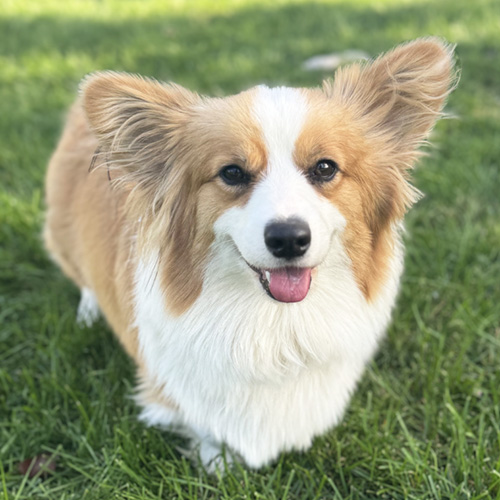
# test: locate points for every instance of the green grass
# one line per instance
(425, 422)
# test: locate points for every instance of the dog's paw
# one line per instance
(88, 309)
(207, 453)
(214, 457)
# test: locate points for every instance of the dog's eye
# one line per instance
(323, 171)
(234, 175)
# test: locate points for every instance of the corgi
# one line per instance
(246, 250)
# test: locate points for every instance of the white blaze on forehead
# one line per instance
(280, 113)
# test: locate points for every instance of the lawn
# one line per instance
(425, 421)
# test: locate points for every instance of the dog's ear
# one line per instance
(397, 98)
(138, 122)
(394, 102)
(140, 125)
(127, 111)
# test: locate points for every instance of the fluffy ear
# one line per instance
(394, 102)
(138, 123)
(126, 109)
(397, 98)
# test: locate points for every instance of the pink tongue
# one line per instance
(290, 284)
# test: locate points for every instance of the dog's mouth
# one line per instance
(285, 284)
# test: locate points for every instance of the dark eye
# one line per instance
(323, 171)
(234, 175)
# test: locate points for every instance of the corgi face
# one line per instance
(284, 230)
(284, 176)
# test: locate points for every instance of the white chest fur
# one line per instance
(259, 375)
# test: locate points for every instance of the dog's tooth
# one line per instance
(268, 275)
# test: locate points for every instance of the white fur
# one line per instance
(280, 113)
(284, 192)
(88, 308)
(157, 414)
(260, 375)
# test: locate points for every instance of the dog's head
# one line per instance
(287, 177)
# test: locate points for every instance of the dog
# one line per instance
(246, 250)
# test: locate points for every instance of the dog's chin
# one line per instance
(285, 284)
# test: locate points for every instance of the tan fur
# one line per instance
(84, 231)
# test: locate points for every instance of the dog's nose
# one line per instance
(288, 239)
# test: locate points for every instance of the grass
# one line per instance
(425, 422)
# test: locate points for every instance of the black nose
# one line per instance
(288, 239)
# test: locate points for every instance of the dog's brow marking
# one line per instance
(280, 112)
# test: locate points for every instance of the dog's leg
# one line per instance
(204, 450)
(157, 408)
(88, 309)
(154, 414)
